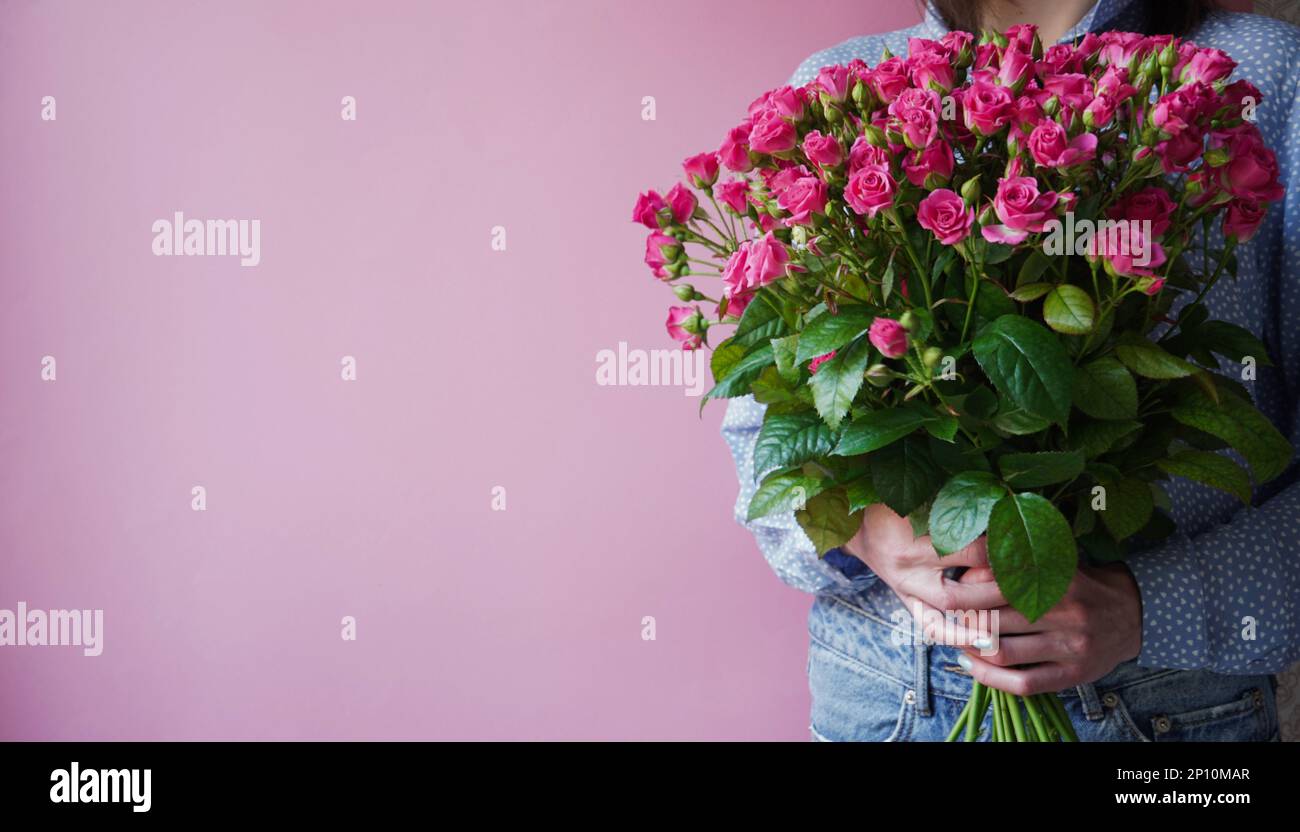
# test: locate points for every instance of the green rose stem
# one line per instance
(1017, 722)
(960, 725)
(999, 732)
(1056, 711)
(1036, 719)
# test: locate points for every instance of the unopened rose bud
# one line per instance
(970, 190)
(878, 375)
(875, 136)
(931, 356)
(696, 324)
(1169, 55)
(987, 216)
(907, 320)
(684, 292)
(1151, 66)
(1052, 106)
(1001, 40)
(861, 95)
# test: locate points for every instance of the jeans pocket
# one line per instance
(1244, 718)
(853, 703)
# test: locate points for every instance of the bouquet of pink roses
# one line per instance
(953, 280)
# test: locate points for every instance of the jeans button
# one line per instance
(909, 698)
(1110, 700)
(1162, 724)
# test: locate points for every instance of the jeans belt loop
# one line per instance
(1090, 703)
(921, 662)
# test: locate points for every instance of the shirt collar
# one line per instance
(1102, 16)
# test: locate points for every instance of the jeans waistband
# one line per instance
(874, 631)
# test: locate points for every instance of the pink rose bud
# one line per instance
(888, 336)
(682, 202)
(702, 170)
(684, 324)
(647, 209)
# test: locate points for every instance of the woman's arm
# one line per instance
(787, 549)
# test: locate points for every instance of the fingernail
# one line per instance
(982, 643)
(965, 662)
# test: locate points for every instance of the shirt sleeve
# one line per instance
(787, 549)
(1225, 600)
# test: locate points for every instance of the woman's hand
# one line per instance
(914, 570)
(1096, 626)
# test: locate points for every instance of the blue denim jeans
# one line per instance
(869, 682)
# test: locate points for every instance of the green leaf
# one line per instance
(1103, 389)
(783, 493)
(1069, 309)
(1019, 423)
(760, 322)
(862, 493)
(1032, 552)
(838, 381)
(1232, 341)
(725, 356)
(887, 281)
(1128, 506)
(1035, 264)
(904, 475)
(1039, 469)
(942, 426)
(960, 512)
(1028, 365)
(877, 428)
(783, 352)
(791, 439)
(1238, 423)
(1094, 438)
(744, 371)
(1031, 292)
(1214, 470)
(827, 520)
(828, 331)
(1150, 361)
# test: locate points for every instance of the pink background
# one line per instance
(476, 369)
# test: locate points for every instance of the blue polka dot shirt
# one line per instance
(1221, 594)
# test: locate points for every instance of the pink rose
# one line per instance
(803, 198)
(1151, 203)
(1178, 153)
(772, 134)
(778, 180)
(946, 215)
(1099, 111)
(1153, 286)
(734, 152)
(818, 361)
(835, 82)
(889, 78)
(888, 336)
(677, 318)
(916, 115)
(1119, 47)
(1114, 83)
(1243, 219)
(682, 202)
(822, 150)
(733, 194)
(987, 107)
(788, 102)
(870, 189)
(1208, 66)
(929, 167)
(1072, 89)
(702, 169)
(660, 250)
(932, 72)
(733, 274)
(1251, 172)
(1123, 256)
(864, 153)
(1051, 148)
(1021, 208)
(647, 208)
(768, 261)
(1016, 68)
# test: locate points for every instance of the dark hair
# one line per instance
(1166, 17)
